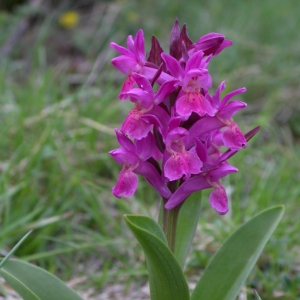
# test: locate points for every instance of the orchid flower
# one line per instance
(178, 161)
(193, 79)
(139, 121)
(133, 60)
(134, 158)
(232, 136)
(209, 177)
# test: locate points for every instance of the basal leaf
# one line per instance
(33, 283)
(230, 267)
(165, 275)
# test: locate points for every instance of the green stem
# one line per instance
(165, 214)
(169, 219)
(171, 227)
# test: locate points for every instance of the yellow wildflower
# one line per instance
(69, 19)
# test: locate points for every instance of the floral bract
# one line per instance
(176, 129)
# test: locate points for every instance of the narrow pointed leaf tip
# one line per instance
(165, 275)
(231, 265)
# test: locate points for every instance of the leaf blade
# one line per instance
(231, 265)
(165, 275)
(33, 283)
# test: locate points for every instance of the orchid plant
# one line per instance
(178, 136)
(174, 137)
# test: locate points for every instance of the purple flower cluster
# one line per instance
(174, 133)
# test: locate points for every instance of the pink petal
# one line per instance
(230, 95)
(122, 50)
(175, 167)
(193, 102)
(180, 164)
(217, 96)
(134, 126)
(217, 138)
(147, 170)
(139, 46)
(130, 44)
(124, 141)
(194, 163)
(227, 111)
(126, 184)
(149, 73)
(196, 79)
(122, 156)
(165, 90)
(194, 61)
(201, 150)
(125, 64)
(178, 133)
(222, 171)
(173, 66)
(174, 122)
(140, 95)
(233, 137)
(218, 199)
(157, 116)
(205, 61)
(203, 127)
(145, 147)
(127, 86)
(143, 83)
(188, 187)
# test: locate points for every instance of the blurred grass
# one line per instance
(56, 130)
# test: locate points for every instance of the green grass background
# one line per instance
(57, 128)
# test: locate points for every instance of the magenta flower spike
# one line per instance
(175, 134)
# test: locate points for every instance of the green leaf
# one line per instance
(186, 227)
(33, 283)
(230, 267)
(165, 275)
